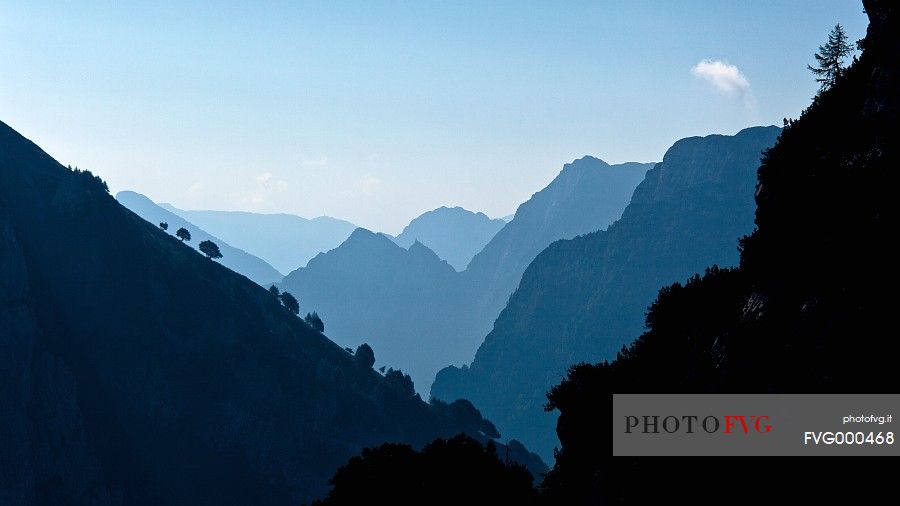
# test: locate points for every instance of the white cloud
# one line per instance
(726, 79)
(265, 185)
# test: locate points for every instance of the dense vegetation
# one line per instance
(454, 471)
(807, 311)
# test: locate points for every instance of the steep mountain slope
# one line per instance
(235, 259)
(587, 195)
(138, 371)
(454, 234)
(421, 315)
(810, 310)
(284, 240)
(404, 303)
(582, 299)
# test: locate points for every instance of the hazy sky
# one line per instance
(377, 111)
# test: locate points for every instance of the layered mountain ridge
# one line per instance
(286, 241)
(421, 316)
(236, 259)
(139, 371)
(453, 233)
(582, 299)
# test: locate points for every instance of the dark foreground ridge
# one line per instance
(134, 370)
(807, 311)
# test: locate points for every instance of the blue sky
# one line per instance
(377, 111)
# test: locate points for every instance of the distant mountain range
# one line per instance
(234, 258)
(285, 241)
(403, 302)
(587, 195)
(417, 312)
(453, 233)
(582, 299)
(135, 370)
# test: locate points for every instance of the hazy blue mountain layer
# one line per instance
(286, 241)
(417, 311)
(405, 303)
(455, 234)
(235, 259)
(582, 299)
(587, 195)
(134, 370)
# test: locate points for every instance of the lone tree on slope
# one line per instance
(830, 58)
(183, 234)
(290, 302)
(210, 249)
(163, 225)
(315, 322)
(365, 357)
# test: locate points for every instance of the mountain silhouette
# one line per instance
(235, 259)
(284, 240)
(455, 234)
(808, 310)
(136, 370)
(587, 195)
(582, 299)
(416, 310)
(403, 302)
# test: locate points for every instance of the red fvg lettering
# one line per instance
(756, 424)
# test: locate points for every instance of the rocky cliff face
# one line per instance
(44, 456)
(588, 195)
(582, 299)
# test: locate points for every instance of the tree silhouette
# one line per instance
(210, 249)
(90, 180)
(163, 225)
(290, 302)
(274, 291)
(459, 470)
(400, 382)
(830, 58)
(315, 322)
(183, 234)
(365, 357)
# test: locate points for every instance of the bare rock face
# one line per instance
(43, 454)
